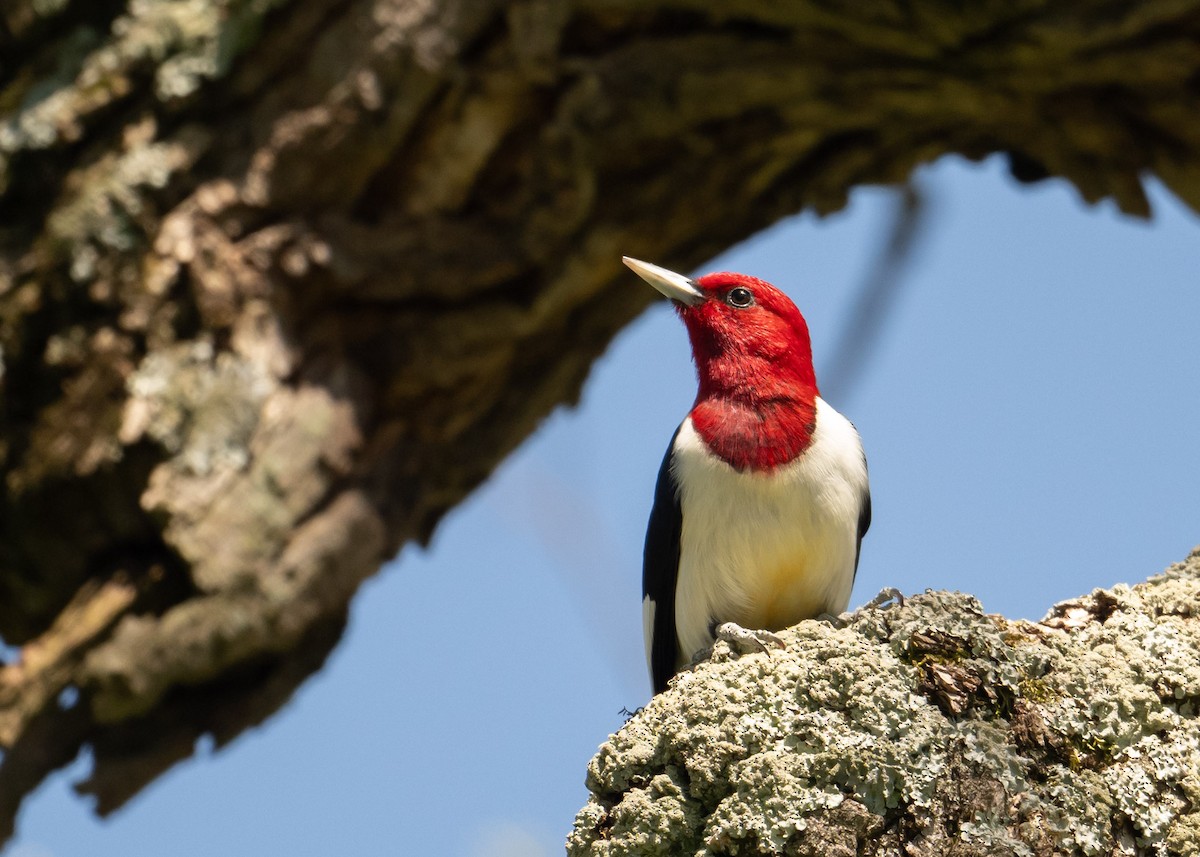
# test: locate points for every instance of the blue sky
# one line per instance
(1030, 415)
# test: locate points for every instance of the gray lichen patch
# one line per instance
(940, 726)
(104, 213)
(188, 41)
(249, 458)
(200, 406)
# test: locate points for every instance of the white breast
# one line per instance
(766, 550)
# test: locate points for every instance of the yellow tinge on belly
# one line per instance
(784, 596)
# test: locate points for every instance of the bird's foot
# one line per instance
(888, 593)
(745, 640)
(836, 621)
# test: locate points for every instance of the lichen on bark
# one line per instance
(929, 728)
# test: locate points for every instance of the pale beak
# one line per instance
(677, 287)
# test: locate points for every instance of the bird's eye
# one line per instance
(741, 297)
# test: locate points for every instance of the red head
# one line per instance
(756, 404)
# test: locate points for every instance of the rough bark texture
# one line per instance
(282, 280)
(924, 730)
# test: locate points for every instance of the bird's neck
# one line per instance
(756, 417)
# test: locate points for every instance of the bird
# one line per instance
(762, 499)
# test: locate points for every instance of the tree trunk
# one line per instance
(924, 730)
(282, 280)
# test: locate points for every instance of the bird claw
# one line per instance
(880, 601)
(836, 621)
(888, 593)
(745, 640)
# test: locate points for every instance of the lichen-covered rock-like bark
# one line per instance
(282, 280)
(925, 729)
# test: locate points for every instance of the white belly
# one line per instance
(767, 550)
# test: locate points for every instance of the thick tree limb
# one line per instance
(927, 729)
(49, 663)
(282, 280)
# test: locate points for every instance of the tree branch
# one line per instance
(925, 729)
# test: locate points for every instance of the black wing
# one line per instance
(660, 571)
(864, 524)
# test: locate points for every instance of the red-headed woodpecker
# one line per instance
(762, 498)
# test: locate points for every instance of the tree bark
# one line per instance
(923, 730)
(282, 280)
